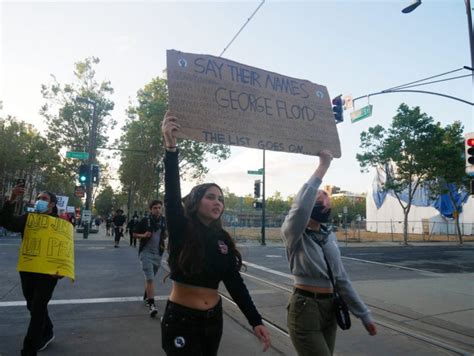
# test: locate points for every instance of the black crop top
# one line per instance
(219, 262)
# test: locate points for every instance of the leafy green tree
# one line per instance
(355, 208)
(104, 202)
(449, 168)
(276, 204)
(26, 154)
(68, 110)
(403, 152)
(142, 146)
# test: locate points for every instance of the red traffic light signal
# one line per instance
(469, 147)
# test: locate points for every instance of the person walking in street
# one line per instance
(119, 226)
(37, 287)
(151, 232)
(108, 225)
(311, 314)
(132, 223)
(201, 254)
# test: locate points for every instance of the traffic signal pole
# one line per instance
(92, 154)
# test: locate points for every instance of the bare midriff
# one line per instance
(199, 298)
(314, 289)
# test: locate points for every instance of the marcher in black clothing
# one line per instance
(201, 254)
(108, 225)
(132, 223)
(119, 222)
(37, 287)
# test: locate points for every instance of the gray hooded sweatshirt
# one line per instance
(305, 253)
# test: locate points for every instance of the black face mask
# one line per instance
(318, 215)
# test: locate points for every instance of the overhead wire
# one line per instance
(243, 26)
(422, 80)
(434, 81)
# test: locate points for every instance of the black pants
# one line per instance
(132, 240)
(186, 331)
(118, 234)
(38, 289)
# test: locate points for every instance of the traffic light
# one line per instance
(469, 147)
(338, 108)
(256, 188)
(84, 174)
(95, 174)
(257, 204)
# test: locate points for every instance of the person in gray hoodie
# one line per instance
(311, 314)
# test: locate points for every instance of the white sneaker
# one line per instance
(46, 342)
(153, 310)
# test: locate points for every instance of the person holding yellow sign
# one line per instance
(39, 231)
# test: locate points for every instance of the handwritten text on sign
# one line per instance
(221, 101)
(47, 246)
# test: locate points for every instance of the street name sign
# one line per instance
(259, 172)
(362, 113)
(77, 155)
(86, 216)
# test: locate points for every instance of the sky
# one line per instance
(352, 47)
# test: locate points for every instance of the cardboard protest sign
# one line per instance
(47, 246)
(225, 102)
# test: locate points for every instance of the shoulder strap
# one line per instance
(331, 277)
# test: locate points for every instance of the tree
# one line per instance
(104, 203)
(403, 152)
(276, 205)
(355, 207)
(69, 114)
(26, 154)
(447, 175)
(68, 111)
(142, 146)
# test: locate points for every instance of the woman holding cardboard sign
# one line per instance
(201, 254)
(321, 287)
(37, 287)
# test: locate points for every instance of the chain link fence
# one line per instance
(247, 226)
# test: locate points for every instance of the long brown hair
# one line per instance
(191, 257)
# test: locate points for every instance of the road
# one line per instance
(422, 298)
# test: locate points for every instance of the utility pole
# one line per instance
(92, 153)
(263, 200)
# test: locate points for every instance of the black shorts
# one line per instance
(187, 331)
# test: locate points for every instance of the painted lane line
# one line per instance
(391, 265)
(20, 303)
(84, 301)
(269, 270)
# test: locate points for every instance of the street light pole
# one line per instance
(414, 5)
(471, 31)
(92, 153)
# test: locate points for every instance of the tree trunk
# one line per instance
(405, 227)
(458, 228)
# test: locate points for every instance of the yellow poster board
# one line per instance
(47, 246)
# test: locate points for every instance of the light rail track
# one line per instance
(424, 335)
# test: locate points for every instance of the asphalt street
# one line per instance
(412, 291)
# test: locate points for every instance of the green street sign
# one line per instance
(362, 113)
(259, 172)
(77, 155)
